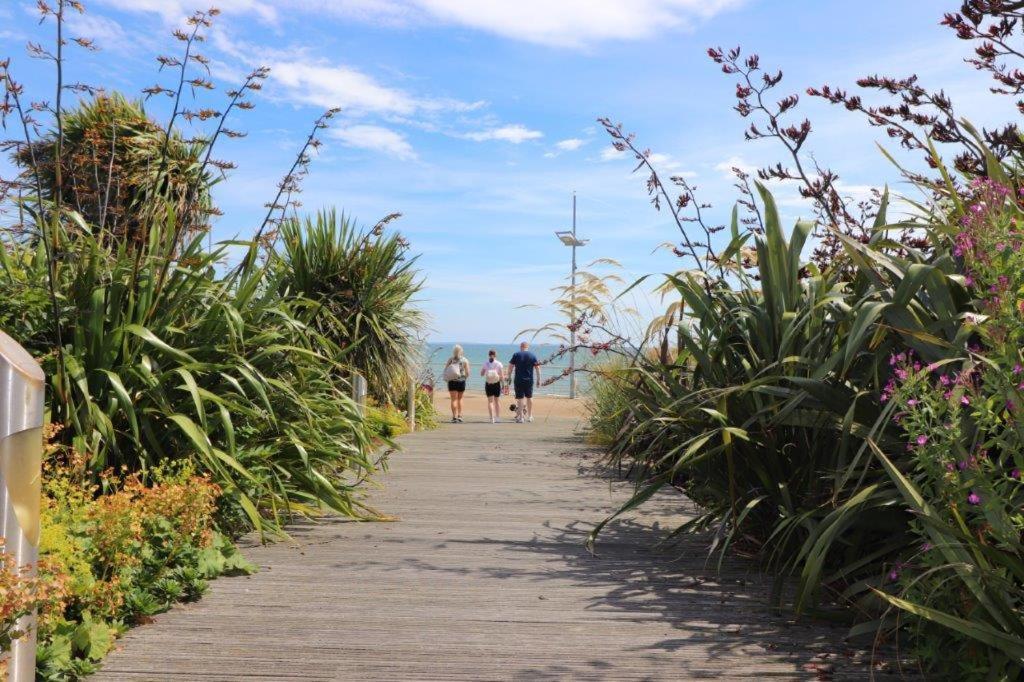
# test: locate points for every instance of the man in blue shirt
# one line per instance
(526, 367)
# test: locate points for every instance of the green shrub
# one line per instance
(608, 406)
(116, 558)
(386, 421)
(364, 284)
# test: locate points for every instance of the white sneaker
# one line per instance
(497, 420)
(492, 420)
(531, 419)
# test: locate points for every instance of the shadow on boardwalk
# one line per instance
(486, 577)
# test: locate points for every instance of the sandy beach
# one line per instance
(474, 407)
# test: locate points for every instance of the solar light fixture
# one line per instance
(568, 238)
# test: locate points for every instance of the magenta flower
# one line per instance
(1015, 474)
(926, 547)
(911, 402)
(964, 400)
(974, 498)
(922, 439)
(1018, 368)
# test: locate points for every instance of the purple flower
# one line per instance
(974, 498)
(1015, 474)
(964, 400)
(926, 547)
(911, 402)
(894, 575)
(922, 439)
(1018, 368)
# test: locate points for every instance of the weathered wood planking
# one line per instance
(486, 578)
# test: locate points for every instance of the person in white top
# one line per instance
(456, 371)
(492, 372)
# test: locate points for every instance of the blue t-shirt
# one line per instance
(524, 361)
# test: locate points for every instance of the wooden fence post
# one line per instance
(411, 408)
(359, 392)
(21, 452)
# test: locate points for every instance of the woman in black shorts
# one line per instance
(456, 371)
(493, 373)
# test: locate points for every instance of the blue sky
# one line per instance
(476, 119)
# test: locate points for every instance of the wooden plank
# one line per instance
(485, 577)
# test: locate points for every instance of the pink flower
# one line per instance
(922, 439)
(1018, 368)
(911, 402)
(1015, 474)
(974, 498)
(964, 400)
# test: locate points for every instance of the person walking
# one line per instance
(456, 371)
(492, 372)
(526, 368)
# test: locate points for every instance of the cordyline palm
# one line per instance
(220, 371)
(364, 286)
(118, 174)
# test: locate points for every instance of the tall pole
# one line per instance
(572, 299)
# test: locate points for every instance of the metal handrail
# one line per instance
(21, 452)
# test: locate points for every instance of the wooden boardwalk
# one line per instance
(485, 577)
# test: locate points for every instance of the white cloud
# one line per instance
(106, 33)
(174, 11)
(566, 23)
(375, 138)
(327, 86)
(662, 162)
(324, 84)
(611, 153)
(514, 133)
(570, 145)
(725, 167)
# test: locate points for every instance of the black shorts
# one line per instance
(457, 386)
(524, 389)
(493, 390)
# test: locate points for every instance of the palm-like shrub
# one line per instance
(117, 167)
(859, 428)
(163, 358)
(741, 417)
(364, 285)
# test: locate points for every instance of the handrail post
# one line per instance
(411, 408)
(21, 452)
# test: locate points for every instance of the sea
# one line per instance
(436, 354)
